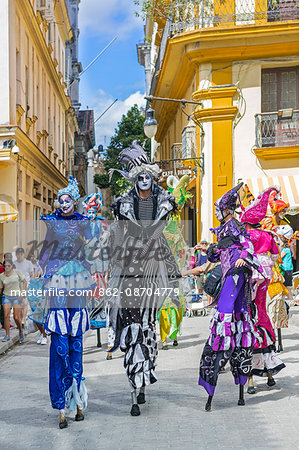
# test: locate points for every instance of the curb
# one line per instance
(14, 339)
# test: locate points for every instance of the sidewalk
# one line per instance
(173, 416)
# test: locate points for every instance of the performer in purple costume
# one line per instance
(232, 333)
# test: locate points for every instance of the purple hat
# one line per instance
(230, 200)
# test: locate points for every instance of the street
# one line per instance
(173, 416)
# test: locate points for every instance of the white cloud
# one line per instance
(105, 127)
(109, 17)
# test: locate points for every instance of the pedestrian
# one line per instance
(285, 232)
(232, 332)
(13, 284)
(142, 268)
(37, 271)
(67, 281)
(24, 266)
(34, 285)
(265, 361)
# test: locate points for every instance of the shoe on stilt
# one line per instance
(79, 416)
(251, 390)
(62, 421)
(271, 382)
(109, 356)
(135, 411)
(241, 402)
(208, 406)
(175, 343)
(141, 398)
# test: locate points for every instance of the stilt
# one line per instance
(251, 388)
(209, 403)
(135, 411)
(141, 396)
(241, 401)
(79, 416)
(62, 420)
(280, 347)
(99, 343)
(271, 381)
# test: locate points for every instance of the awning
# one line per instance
(289, 189)
(8, 211)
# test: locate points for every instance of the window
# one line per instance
(280, 88)
(36, 223)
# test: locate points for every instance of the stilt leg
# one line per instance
(209, 403)
(251, 388)
(99, 343)
(141, 396)
(62, 419)
(241, 401)
(280, 348)
(271, 381)
(79, 416)
(135, 411)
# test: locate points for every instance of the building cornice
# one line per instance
(272, 153)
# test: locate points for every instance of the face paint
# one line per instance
(66, 204)
(144, 181)
(92, 213)
(218, 213)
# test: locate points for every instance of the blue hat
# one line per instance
(72, 189)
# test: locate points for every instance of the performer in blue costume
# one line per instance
(98, 313)
(67, 280)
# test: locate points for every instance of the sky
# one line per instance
(117, 73)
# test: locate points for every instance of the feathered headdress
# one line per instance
(277, 204)
(135, 161)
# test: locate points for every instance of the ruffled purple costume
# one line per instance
(232, 334)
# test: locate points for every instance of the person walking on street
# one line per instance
(13, 284)
(24, 266)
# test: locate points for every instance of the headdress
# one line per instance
(257, 210)
(231, 199)
(93, 202)
(71, 189)
(277, 204)
(285, 230)
(135, 161)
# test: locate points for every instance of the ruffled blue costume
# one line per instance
(66, 276)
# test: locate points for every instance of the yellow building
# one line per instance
(239, 59)
(35, 111)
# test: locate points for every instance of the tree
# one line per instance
(129, 128)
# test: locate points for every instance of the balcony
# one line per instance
(270, 131)
(202, 14)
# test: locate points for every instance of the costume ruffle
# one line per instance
(141, 350)
(229, 331)
(265, 361)
(72, 321)
(71, 280)
(76, 397)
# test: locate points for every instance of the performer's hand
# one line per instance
(240, 262)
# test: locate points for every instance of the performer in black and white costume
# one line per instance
(142, 268)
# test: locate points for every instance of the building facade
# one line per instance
(239, 60)
(36, 111)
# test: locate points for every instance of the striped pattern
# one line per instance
(289, 188)
(8, 210)
(71, 321)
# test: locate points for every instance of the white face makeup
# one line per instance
(144, 181)
(66, 204)
(218, 213)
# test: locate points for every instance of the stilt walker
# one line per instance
(98, 313)
(232, 334)
(66, 274)
(265, 361)
(142, 269)
(170, 315)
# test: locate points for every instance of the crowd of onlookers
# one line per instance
(15, 274)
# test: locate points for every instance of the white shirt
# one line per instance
(25, 267)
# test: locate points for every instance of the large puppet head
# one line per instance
(228, 202)
(277, 205)
(136, 166)
(68, 196)
(92, 204)
(257, 210)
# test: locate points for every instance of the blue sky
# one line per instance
(116, 74)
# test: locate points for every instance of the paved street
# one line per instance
(173, 416)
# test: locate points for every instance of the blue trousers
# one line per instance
(65, 364)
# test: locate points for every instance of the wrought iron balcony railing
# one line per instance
(201, 14)
(272, 132)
